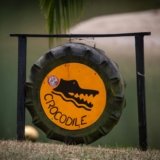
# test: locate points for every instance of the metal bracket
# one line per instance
(139, 54)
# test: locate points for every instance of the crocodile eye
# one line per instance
(74, 82)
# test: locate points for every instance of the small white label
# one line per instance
(53, 81)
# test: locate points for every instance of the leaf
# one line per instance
(60, 14)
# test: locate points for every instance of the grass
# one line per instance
(13, 150)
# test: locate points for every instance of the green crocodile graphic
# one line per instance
(70, 91)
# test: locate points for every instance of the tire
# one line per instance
(61, 84)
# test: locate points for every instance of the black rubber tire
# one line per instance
(105, 67)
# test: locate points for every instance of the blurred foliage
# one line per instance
(60, 14)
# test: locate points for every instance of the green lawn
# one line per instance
(13, 150)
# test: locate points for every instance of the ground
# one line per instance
(13, 150)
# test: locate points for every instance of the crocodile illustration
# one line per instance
(69, 90)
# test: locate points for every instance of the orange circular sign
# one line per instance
(73, 96)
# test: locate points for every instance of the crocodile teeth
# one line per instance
(71, 93)
(83, 98)
(76, 95)
(90, 104)
(93, 94)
